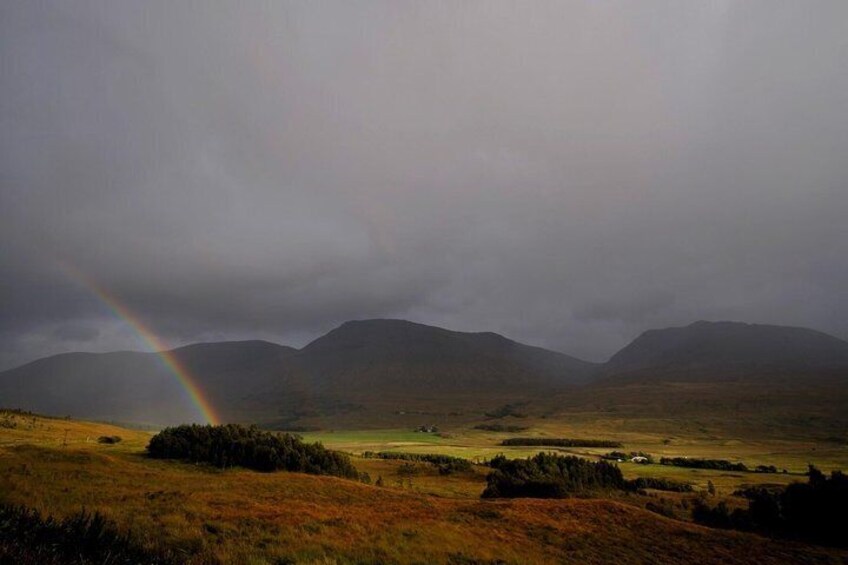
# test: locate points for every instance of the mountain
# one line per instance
(721, 349)
(397, 373)
(404, 357)
(355, 367)
(130, 386)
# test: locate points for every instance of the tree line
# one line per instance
(696, 463)
(669, 485)
(500, 428)
(236, 445)
(813, 511)
(715, 464)
(560, 442)
(446, 464)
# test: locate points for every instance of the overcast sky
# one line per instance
(568, 174)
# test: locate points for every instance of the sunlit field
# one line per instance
(206, 515)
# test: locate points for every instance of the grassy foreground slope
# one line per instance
(241, 516)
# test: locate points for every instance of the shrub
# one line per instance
(547, 475)
(27, 537)
(109, 439)
(234, 445)
(663, 507)
(407, 469)
(719, 516)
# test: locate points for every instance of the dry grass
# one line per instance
(239, 516)
(793, 455)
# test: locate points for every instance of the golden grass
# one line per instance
(793, 455)
(240, 516)
(18, 428)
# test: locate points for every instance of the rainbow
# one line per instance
(185, 378)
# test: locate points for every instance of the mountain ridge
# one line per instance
(729, 347)
(342, 370)
(361, 364)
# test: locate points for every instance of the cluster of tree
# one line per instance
(500, 428)
(547, 475)
(663, 507)
(695, 463)
(446, 464)
(28, 537)
(561, 442)
(765, 469)
(659, 484)
(407, 469)
(813, 511)
(751, 492)
(234, 445)
(109, 439)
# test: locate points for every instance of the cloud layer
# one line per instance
(567, 173)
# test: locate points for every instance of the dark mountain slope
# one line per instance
(369, 369)
(730, 348)
(235, 375)
(224, 367)
(404, 357)
(354, 367)
(122, 386)
(139, 387)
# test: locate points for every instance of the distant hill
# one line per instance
(128, 386)
(398, 373)
(353, 367)
(721, 349)
(404, 357)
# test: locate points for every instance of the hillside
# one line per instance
(138, 387)
(714, 350)
(352, 368)
(400, 356)
(239, 516)
(387, 373)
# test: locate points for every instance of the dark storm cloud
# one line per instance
(568, 173)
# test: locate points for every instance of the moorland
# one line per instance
(695, 423)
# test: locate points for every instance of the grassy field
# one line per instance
(240, 516)
(475, 445)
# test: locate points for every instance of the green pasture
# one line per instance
(689, 441)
